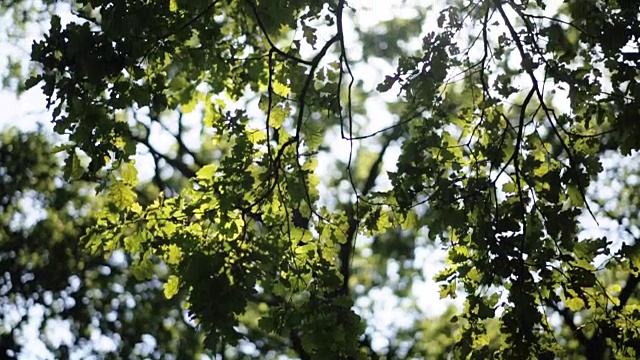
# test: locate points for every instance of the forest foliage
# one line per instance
(280, 211)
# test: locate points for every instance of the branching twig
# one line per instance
(271, 44)
(175, 163)
(547, 110)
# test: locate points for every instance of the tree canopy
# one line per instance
(271, 167)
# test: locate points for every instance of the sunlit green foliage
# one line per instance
(44, 268)
(504, 114)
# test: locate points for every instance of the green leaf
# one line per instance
(410, 221)
(574, 304)
(509, 187)
(173, 254)
(278, 115)
(481, 341)
(575, 196)
(387, 84)
(207, 172)
(74, 169)
(449, 290)
(171, 287)
(190, 105)
(130, 174)
(173, 5)
(281, 89)
(615, 288)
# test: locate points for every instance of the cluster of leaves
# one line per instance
(504, 172)
(245, 220)
(493, 165)
(45, 269)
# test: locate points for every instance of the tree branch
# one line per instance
(627, 291)
(296, 344)
(568, 317)
(347, 249)
(175, 163)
